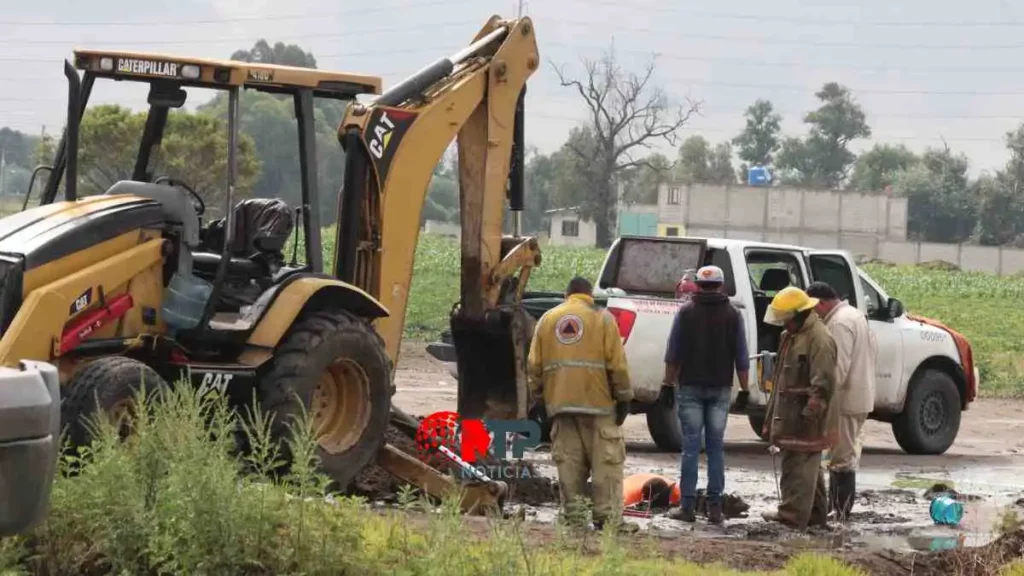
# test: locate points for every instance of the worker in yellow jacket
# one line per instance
(579, 378)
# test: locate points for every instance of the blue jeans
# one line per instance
(703, 409)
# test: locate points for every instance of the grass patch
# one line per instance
(175, 499)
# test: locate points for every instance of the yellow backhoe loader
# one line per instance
(131, 288)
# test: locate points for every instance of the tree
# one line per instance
(627, 114)
(940, 207)
(194, 149)
(641, 184)
(1001, 198)
(720, 170)
(759, 141)
(574, 177)
(18, 147)
(280, 53)
(442, 201)
(878, 167)
(694, 156)
(823, 158)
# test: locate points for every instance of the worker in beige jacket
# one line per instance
(856, 353)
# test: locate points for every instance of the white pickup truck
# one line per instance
(922, 384)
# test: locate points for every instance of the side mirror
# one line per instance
(32, 183)
(894, 308)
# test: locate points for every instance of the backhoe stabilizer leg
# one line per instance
(476, 498)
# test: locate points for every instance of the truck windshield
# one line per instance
(651, 266)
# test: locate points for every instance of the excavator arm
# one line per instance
(392, 145)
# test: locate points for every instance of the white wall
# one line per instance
(587, 230)
(442, 228)
(746, 210)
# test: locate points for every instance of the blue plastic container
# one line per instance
(946, 510)
(758, 176)
(184, 300)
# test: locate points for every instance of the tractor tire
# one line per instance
(930, 419)
(108, 385)
(757, 424)
(665, 428)
(337, 366)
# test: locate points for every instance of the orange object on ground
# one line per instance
(962, 346)
(646, 488)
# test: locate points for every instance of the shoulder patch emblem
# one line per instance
(569, 329)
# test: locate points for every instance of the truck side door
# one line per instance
(836, 269)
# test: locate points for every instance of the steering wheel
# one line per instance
(197, 200)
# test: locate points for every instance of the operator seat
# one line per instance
(261, 227)
(773, 280)
(179, 215)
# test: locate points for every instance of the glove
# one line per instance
(621, 411)
(667, 396)
(742, 399)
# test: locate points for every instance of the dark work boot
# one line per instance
(685, 513)
(715, 513)
(833, 494)
(847, 493)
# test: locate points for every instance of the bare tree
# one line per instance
(627, 115)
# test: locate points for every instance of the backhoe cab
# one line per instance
(131, 288)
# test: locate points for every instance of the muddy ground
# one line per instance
(891, 516)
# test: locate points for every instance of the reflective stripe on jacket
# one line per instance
(577, 362)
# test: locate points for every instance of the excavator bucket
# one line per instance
(491, 355)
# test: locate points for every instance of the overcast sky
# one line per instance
(924, 70)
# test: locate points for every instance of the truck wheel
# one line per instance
(663, 424)
(108, 385)
(757, 424)
(337, 366)
(931, 416)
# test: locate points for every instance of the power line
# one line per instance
(762, 40)
(754, 62)
(252, 38)
(274, 18)
(637, 7)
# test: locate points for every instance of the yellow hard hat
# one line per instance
(786, 304)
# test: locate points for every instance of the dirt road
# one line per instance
(986, 462)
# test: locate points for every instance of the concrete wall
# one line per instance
(991, 259)
(793, 213)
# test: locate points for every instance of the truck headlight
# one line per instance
(190, 71)
(106, 64)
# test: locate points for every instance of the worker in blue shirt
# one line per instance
(707, 343)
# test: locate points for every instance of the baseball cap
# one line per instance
(710, 275)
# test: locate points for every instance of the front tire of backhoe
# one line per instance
(108, 385)
(337, 366)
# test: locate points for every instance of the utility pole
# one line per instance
(3, 169)
(519, 12)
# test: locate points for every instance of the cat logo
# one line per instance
(381, 135)
(215, 382)
(569, 329)
(82, 302)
